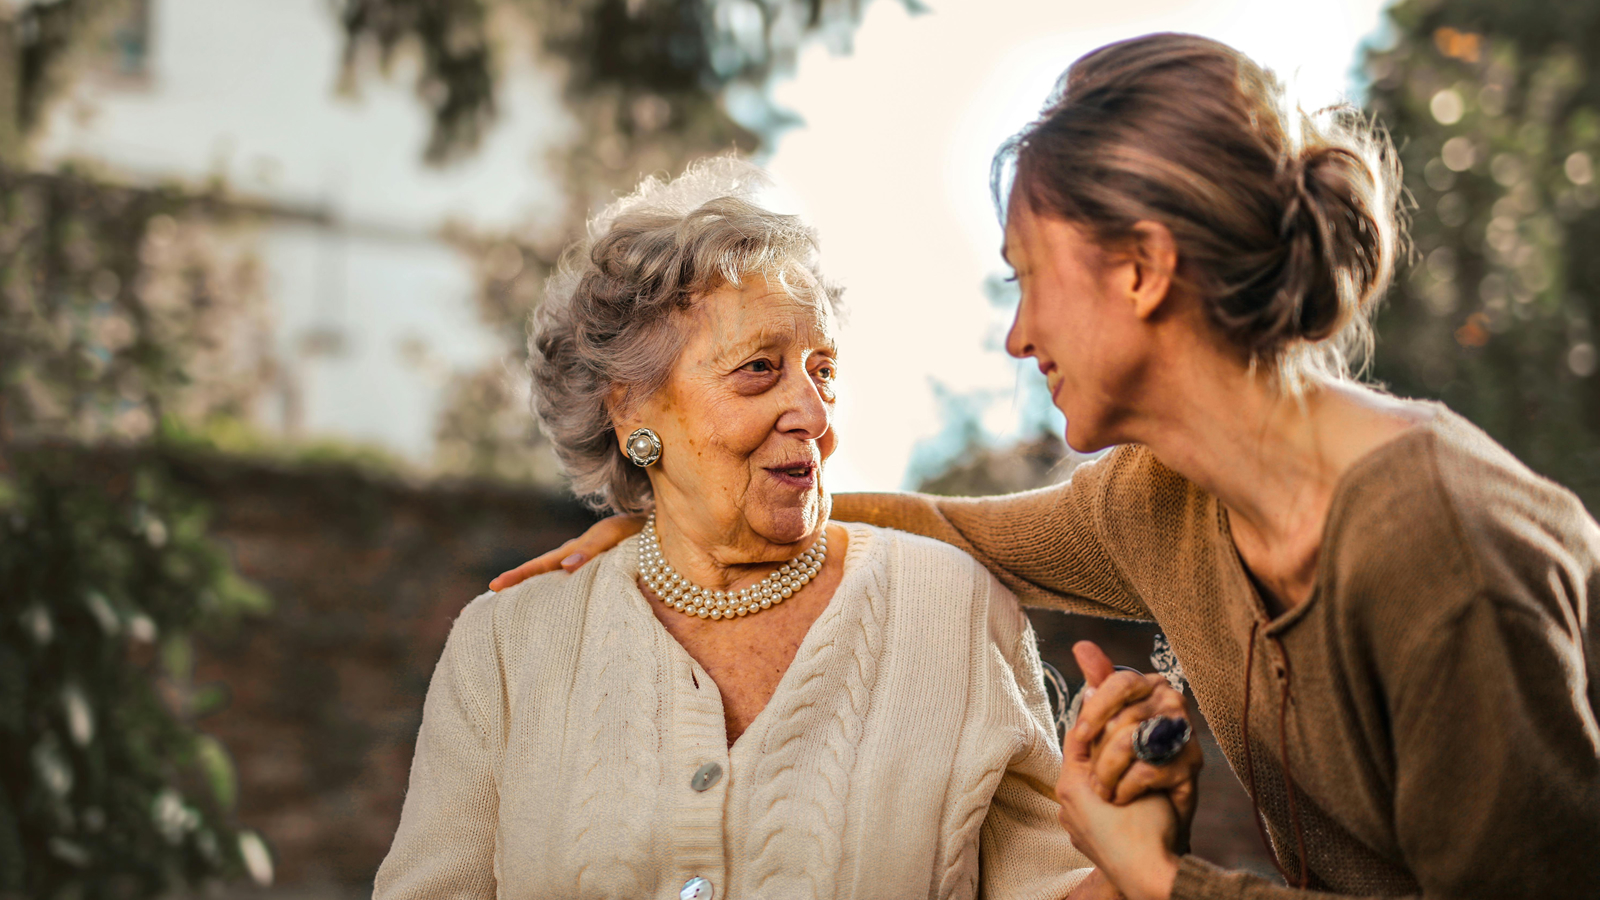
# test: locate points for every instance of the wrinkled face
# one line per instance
(1076, 321)
(745, 421)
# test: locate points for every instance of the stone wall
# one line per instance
(325, 695)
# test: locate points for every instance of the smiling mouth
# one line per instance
(799, 474)
(1052, 378)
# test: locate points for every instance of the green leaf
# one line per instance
(218, 769)
(208, 699)
(177, 657)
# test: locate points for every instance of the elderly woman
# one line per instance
(745, 699)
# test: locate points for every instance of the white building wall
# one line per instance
(246, 90)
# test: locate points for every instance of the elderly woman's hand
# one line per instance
(1120, 700)
(1132, 845)
(601, 536)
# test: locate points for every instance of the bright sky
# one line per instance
(892, 167)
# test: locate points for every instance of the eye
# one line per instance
(1012, 279)
(759, 366)
(824, 374)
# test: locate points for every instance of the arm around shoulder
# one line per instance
(1044, 545)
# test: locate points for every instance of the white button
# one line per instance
(696, 889)
(706, 776)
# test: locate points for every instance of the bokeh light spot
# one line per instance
(1458, 153)
(1447, 107)
(1579, 168)
(1582, 359)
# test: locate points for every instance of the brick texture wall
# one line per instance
(325, 695)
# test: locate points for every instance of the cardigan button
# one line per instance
(696, 888)
(704, 778)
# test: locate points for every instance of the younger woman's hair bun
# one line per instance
(1287, 224)
(1338, 243)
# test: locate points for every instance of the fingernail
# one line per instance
(574, 561)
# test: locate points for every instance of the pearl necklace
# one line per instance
(691, 599)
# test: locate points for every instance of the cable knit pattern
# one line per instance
(960, 876)
(902, 754)
(828, 705)
(622, 750)
(971, 808)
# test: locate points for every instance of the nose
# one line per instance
(807, 414)
(1017, 342)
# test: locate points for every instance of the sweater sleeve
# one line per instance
(1045, 545)
(1497, 771)
(1200, 880)
(1026, 853)
(445, 845)
(1492, 712)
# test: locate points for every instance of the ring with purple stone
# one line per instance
(1159, 739)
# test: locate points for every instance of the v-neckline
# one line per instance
(627, 568)
(1277, 625)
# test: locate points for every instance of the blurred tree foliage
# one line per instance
(40, 42)
(983, 469)
(106, 787)
(486, 429)
(635, 70)
(1496, 111)
(122, 314)
(651, 85)
(965, 458)
(122, 311)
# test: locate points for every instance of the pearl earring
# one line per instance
(644, 447)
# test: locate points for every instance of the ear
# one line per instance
(615, 399)
(1154, 255)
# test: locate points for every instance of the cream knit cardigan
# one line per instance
(907, 752)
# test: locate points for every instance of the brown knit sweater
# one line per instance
(1437, 690)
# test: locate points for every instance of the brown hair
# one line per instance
(1286, 224)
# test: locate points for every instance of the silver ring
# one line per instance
(1159, 739)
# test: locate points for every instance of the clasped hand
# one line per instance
(1129, 817)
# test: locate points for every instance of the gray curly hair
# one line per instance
(612, 316)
